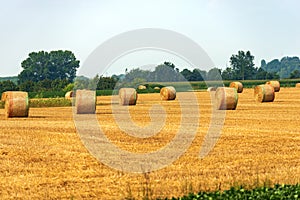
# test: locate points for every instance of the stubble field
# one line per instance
(42, 157)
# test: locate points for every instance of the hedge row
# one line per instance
(277, 192)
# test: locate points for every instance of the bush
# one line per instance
(46, 94)
(277, 192)
(52, 102)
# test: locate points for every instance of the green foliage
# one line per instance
(214, 74)
(288, 192)
(106, 83)
(14, 79)
(295, 74)
(54, 65)
(243, 66)
(48, 71)
(163, 72)
(104, 92)
(284, 68)
(46, 94)
(7, 86)
(81, 82)
(69, 87)
(51, 102)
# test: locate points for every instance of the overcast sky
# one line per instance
(269, 29)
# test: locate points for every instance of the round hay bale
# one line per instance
(16, 104)
(156, 88)
(226, 98)
(142, 87)
(85, 102)
(168, 93)
(3, 96)
(275, 84)
(297, 85)
(127, 96)
(264, 93)
(237, 85)
(69, 95)
(211, 89)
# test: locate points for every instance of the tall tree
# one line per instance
(39, 66)
(242, 65)
(166, 72)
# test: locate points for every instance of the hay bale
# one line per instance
(226, 98)
(16, 104)
(237, 85)
(297, 85)
(168, 93)
(3, 96)
(85, 102)
(211, 89)
(275, 84)
(127, 96)
(156, 88)
(69, 95)
(264, 93)
(142, 87)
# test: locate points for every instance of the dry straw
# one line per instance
(142, 87)
(210, 89)
(226, 98)
(275, 84)
(3, 96)
(127, 96)
(297, 85)
(69, 95)
(156, 88)
(85, 102)
(168, 93)
(237, 85)
(16, 104)
(264, 93)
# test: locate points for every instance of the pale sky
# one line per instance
(269, 29)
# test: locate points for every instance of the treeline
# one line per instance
(56, 71)
(287, 67)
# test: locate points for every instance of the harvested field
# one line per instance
(42, 156)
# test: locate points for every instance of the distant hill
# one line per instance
(283, 67)
(11, 78)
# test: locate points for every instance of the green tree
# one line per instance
(295, 74)
(137, 73)
(7, 86)
(228, 74)
(242, 65)
(166, 73)
(39, 66)
(214, 74)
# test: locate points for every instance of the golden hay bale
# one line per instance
(127, 96)
(85, 102)
(210, 89)
(142, 87)
(275, 84)
(237, 85)
(156, 88)
(168, 93)
(16, 104)
(3, 96)
(69, 95)
(264, 93)
(226, 98)
(297, 85)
